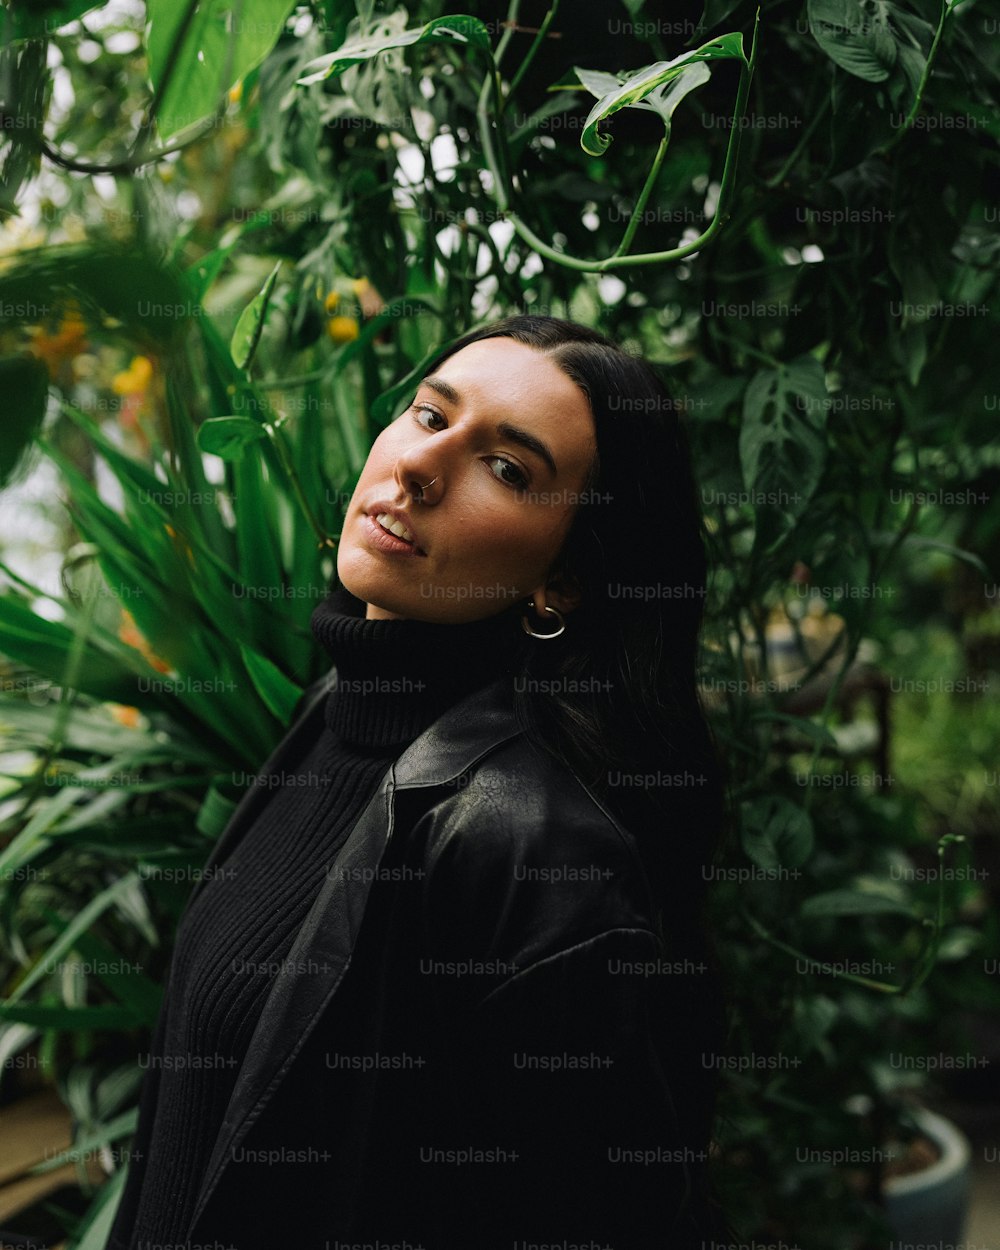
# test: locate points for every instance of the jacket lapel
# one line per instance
(329, 932)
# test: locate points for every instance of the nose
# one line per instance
(415, 476)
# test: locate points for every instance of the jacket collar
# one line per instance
(438, 755)
(466, 732)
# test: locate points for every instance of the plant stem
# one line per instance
(640, 204)
(924, 77)
(525, 64)
(777, 179)
(501, 183)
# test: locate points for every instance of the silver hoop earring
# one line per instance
(555, 633)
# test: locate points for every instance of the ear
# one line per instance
(560, 592)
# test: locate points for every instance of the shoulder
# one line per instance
(520, 861)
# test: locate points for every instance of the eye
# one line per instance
(519, 480)
(417, 408)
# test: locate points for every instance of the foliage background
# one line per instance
(833, 349)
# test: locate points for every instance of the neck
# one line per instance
(396, 675)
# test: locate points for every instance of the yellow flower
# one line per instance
(236, 92)
(342, 329)
(135, 379)
(360, 285)
(331, 302)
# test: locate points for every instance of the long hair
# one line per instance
(615, 697)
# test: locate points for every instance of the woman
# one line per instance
(445, 980)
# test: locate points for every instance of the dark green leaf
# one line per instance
(279, 692)
(776, 832)
(855, 38)
(853, 903)
(229, 436)
(250, 326)
(24, 388)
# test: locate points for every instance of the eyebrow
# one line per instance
(513, 432)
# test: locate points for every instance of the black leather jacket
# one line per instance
(477, 1018)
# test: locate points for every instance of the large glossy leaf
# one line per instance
(647, 81)
(856, 38)
(663, 100)
(459, 28)
(199, 48)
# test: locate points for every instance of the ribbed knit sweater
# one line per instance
(395, 677)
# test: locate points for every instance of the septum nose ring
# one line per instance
(421, 489)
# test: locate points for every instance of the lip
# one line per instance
(389, 542)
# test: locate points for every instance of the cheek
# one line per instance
(515, 539)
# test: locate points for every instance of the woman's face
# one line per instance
(490, 526)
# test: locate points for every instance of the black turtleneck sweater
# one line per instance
(394, 678)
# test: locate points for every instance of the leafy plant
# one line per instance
(287, 227)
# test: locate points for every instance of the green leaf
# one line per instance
(885, 538)
(782, 443)
(215, 810)
(130, 986)
(228, 436)
(644, 82)
(42, 20)
(75, 1019)
(279, 692)
(246, 336)
(43, 645)
(78, 926)
(459, 28)
(776, 832)
(84, 1145)
(663, 100)
(93, 1231)
(855, 38)
(714, 12)
(217, 43)
(853, 903)
(127, 284)
(24, 388)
